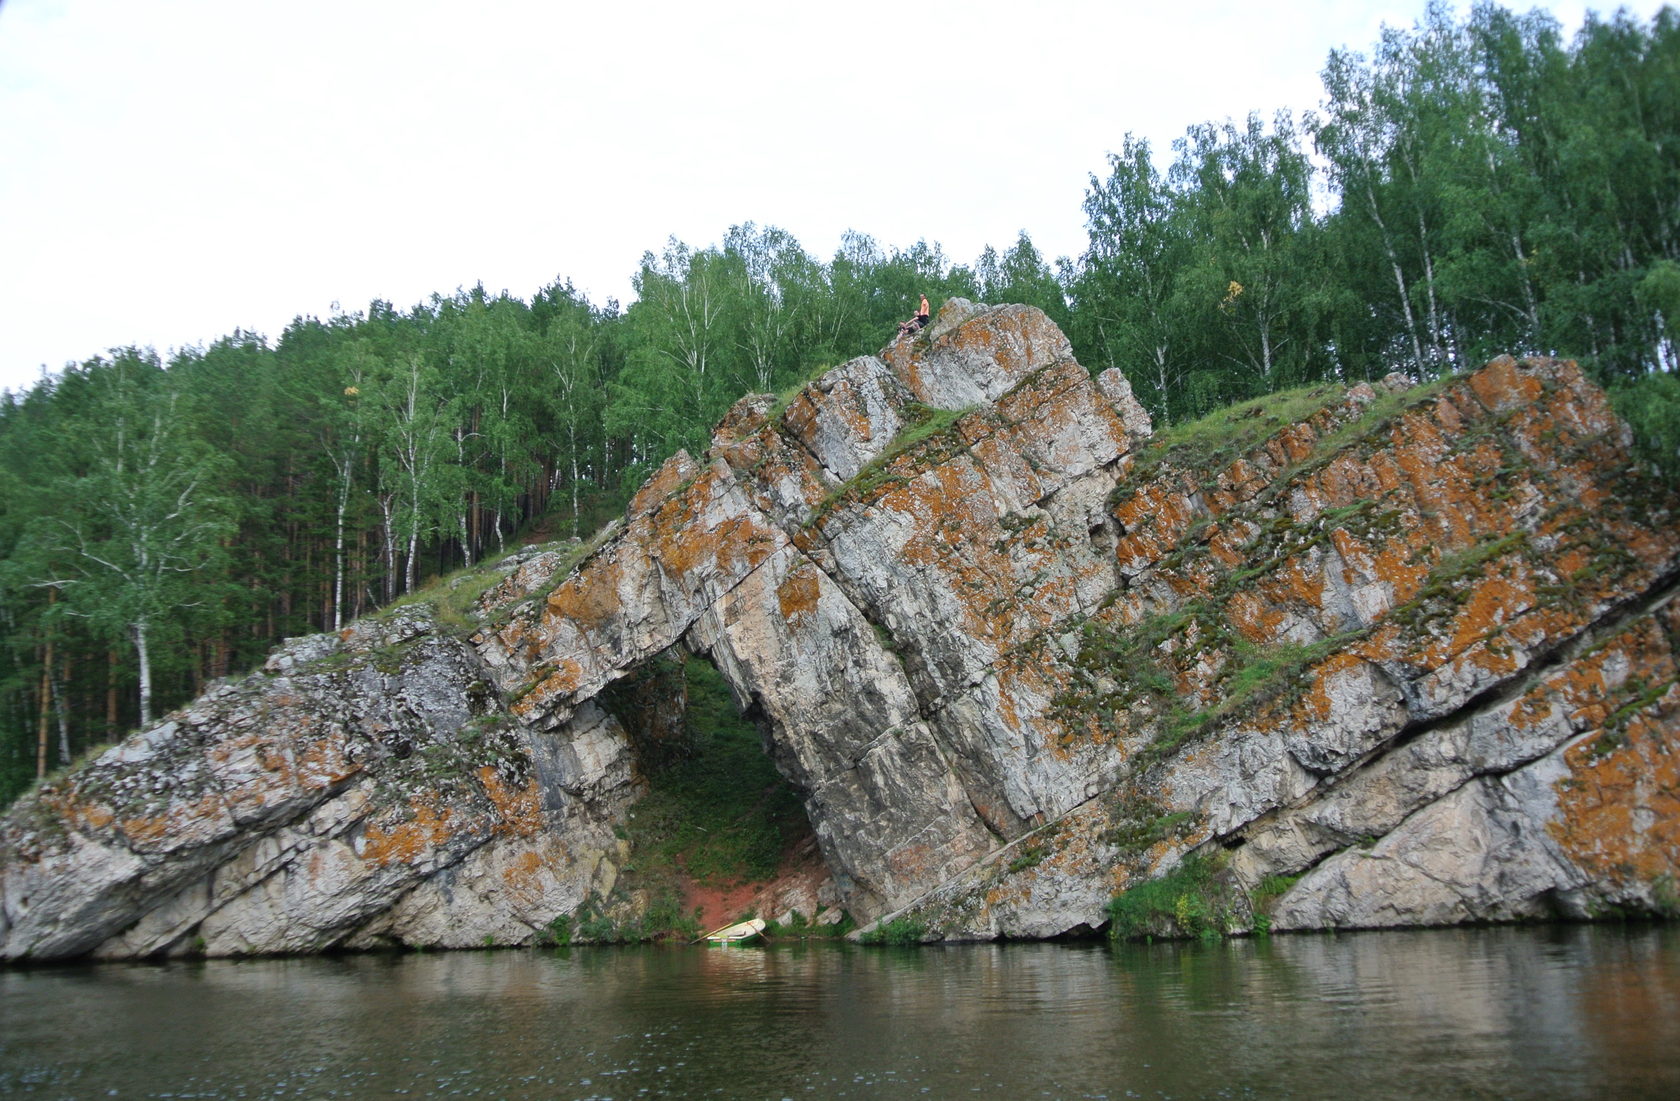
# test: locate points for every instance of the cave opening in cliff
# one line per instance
(718, 819)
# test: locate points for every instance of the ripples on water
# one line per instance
(1568, 1012)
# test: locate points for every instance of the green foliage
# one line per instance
(1258, 675)
(1137, 665)
(1270, 889)
(1141, 822)
(595, 926)
(1267, 892)
(332, 471)
(1492, 189)
(718, 812)
(1029, 857)
(1021, 275)
(137, 534)
(598, 922)
(453, 597)
(802, 928)
(664, 919)
(900, 932)
(1211, 443)
(1665, 897)
(17, 773)
(1651, 406)
(1208, 286)
(1190, 901)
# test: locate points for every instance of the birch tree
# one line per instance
(568, 352)
(765, 319)
(674, 383)
(1124, 295)
(1021, 275)
(141, 528)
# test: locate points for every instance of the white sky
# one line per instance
(171, 170)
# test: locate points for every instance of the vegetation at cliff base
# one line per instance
(718, 811)
(1473, 185)
(901, 932)
(1193, 900)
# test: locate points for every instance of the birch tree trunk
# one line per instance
(143, 655)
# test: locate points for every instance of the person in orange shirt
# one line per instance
(917, 322)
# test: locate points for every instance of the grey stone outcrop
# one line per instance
(1408, 659)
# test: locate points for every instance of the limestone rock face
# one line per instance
(859, 569)
(361, 790)
(1384, 656)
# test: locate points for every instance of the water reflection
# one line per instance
(1532, 1013)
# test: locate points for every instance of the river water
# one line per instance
(1554, 1012)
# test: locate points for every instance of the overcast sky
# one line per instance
(175, 169)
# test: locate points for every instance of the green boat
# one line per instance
(744, 932)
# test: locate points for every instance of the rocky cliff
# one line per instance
(1363, 657)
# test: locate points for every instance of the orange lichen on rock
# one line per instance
(1504, 384)
(798, 593)
(765, 464)
(1394, 562)
(561, 682)
(1255, 615)
(843, 403)
(204, 816)
(683, 543)
(589, 598)
(1152, 521)
(801, 415)
(743, 544)
(673, 532)
(320, 763)
(1619, 810)
(950, 541)
(145, 829)
(407, 841)
(1491, 604)
(1248, 635)
(1297, 583)
(1618, 815)
(77, 813)
(295, 756)
(911, 860)
(1057, 414)
(1228, 543)
(676, 470)
(746, 419)
(1291, 445)
(1345, 480)
(1587, 689)
(1315, 704)
(1238, 484)
(523, 880)
(518, 811)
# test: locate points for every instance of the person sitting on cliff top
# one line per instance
(917, 322)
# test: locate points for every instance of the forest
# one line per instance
(1467, 187)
